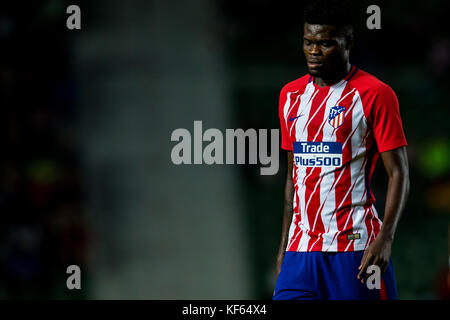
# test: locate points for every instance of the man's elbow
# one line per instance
(402, 176)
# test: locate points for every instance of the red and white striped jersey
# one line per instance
(336, 134)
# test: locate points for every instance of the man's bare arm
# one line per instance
(288, 211)
(396, 164)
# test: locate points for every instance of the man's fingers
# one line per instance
(375, 260)
(363, 259)
(381, 263)
(365, 263)
(372, 261)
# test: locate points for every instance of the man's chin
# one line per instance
(315, 72)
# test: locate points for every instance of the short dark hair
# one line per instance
(330, 12)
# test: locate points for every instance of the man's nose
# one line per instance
(314, 49)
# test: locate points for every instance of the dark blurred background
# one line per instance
(87, 115)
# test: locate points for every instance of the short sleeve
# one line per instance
(386, 121)
(286, 142)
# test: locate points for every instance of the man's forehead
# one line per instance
(321, 31)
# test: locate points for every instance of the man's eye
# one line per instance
(307, 42)
(327, 44)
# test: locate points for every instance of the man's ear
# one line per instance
(349, 41)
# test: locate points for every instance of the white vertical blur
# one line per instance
(146, 68)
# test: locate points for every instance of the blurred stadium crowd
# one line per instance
(43, 229)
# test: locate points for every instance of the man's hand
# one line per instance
(378, 253)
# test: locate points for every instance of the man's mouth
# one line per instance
(314, 64)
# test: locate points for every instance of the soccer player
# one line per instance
(335, 122)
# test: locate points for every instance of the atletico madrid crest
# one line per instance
(336, 117)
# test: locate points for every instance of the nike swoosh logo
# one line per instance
(293, 118)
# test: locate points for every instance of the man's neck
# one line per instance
(338, 76)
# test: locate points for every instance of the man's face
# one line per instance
(326, 49)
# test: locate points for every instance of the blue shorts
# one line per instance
(329, 276)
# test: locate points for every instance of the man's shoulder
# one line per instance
(365, 83)
(297, 84)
